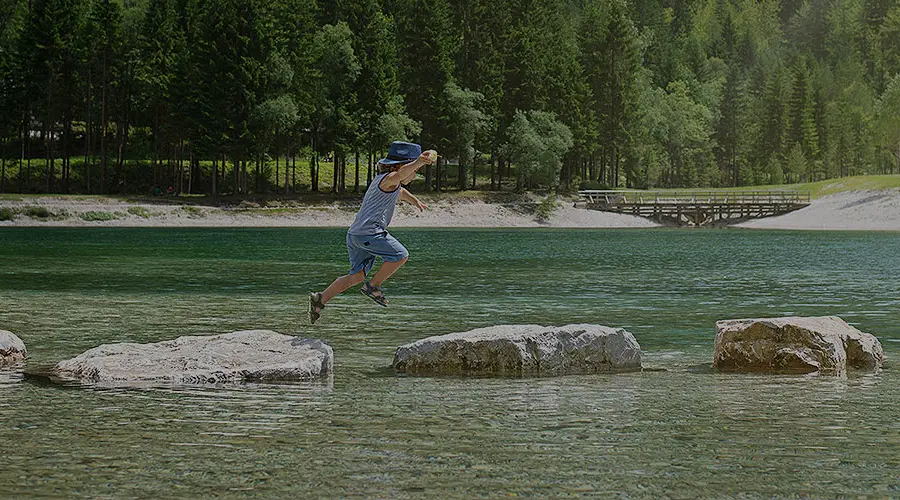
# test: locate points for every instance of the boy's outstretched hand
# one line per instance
(429, 156)
(421, 206)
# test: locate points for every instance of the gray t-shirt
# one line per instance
(377, 209)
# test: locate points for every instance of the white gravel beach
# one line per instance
(851, 210)
(447, 212)
(856, 210)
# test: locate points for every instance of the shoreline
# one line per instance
(441, 212)
(846, 211)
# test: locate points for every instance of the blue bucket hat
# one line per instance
(401, 152)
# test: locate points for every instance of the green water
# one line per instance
(683, 432)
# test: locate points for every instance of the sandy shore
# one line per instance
(852, 210)
(857, 210)
(448, 212)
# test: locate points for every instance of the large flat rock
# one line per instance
(522, 349)
(12, 349)
(249, 355)
(825, 344)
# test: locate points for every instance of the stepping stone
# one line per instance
(522, 349)
(824, 344)
(243, 356)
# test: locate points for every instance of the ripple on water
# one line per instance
(685, 431)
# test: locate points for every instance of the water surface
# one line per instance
(682, 432)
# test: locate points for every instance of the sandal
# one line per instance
(375, 293)
(315, 306)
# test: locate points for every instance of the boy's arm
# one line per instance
(392, 180)
(411, 199)
(406, 180)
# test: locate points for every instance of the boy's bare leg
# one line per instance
(341, 284)
(386, 270)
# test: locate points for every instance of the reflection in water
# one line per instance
(684, 431)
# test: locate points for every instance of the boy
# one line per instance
(368, 238)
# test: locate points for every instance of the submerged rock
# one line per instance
(250, 355)
(522, 349)
(824, 344)
(12, 349)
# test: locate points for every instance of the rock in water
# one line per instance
(250, 355)
(824, 344)
(12, 349)
(522, 349)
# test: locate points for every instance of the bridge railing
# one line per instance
(618, 197)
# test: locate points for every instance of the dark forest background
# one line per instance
(253, 96)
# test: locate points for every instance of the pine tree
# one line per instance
(161, 43)
(481, 63)
(426, 49)
(610, 58)
(337, 68)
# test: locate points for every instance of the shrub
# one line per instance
(7, 213)
(546, 208)
(193, 211)
(38, 212)
(140, 212)
(593, 185)
(98, 216)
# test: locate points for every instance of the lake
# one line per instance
(680, 430)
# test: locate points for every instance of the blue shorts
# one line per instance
(364, 248)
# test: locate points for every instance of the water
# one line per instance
(682, 432)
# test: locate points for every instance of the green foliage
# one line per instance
(37, 212)
(394, 124)
(193, 212)
(796, 164)
(337, 68)
(122, 96)
(467, 121)
(537, 142)
(546, 208)
(595, 185)
(7, 213)
(140, 212)
(98, 216)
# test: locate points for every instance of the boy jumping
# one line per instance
(368, 238)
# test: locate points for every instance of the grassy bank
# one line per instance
(820, 188)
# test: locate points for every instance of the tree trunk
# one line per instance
(215, 173)
(103, 126)
(245, 179)
(313, 184)
(334, 172)
(88, 133)
(343, 172)
(258, 173)
(2, 166)
(493, 176)
(314, 171)
(500, 163)
(286, 177)
(47, 142)
(356, 181)
(437, 173)
(22, 157)
(191, 165)
(615, 168)
(428, 178)
(121, 138)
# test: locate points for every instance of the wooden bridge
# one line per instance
(696, 208)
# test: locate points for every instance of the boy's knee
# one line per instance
(358, 277)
